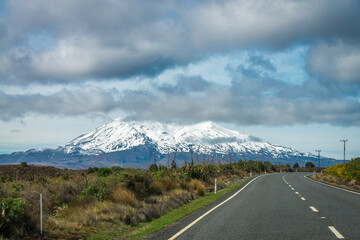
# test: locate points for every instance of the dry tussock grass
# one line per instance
(198, 186)
(125, 196)
(156, 187)
(163, 204)
(185, 185)
(169, 184)
(74, 218)
(352, 182)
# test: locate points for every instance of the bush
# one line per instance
(139, 183)
(14, 213)
(116, 169)
(97, 189)
(16, 188)
(90, 170)
(173, 165)
(309, 165)
(153, 168)
(23, 164)
(103, 172)
(296, 165)
(347, 171)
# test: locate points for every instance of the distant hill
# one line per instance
(132, 144)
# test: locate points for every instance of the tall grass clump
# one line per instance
(124, 196)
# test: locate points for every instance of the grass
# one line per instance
(112, 202)
(352, 185)
(142, 229)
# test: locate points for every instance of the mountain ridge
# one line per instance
(129, 143)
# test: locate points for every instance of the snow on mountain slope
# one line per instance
(212, 138)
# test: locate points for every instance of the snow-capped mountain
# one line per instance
(130, 144)
(211, 137)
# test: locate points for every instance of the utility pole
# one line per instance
(344, 141)
(318, 151)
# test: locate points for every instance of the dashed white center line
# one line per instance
(314, 209)
(289, 185)
(297, 193)
(302, 198)
(336, 232)
(292, 189)
(323, 217)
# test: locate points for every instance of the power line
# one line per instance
(344, 141)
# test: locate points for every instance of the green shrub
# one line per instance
(139, 183)
(104, 172)
(23, 164)
(97, 189)
(173, 165)
(309, 165)
(16, 188)
(13, 213)
(90, 170)
(153, 168)
(117, 169)
(41, 180)
(347, 171)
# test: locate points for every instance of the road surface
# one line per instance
(274, 206)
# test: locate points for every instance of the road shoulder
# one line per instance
(177, 226)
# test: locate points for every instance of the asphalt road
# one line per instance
(275, 206)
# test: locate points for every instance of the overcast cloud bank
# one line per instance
(74, 42)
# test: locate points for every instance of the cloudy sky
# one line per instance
(285, 71)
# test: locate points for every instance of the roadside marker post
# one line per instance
(250, 173)
(215, 185)
(41, 222)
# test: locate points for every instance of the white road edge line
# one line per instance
(336, 232)
(314, 209)
(331, 186)
(202, 216)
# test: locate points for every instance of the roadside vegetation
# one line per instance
(77, 203)
(345, 175)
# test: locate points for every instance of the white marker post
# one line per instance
(215, 185)
(41, 223)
